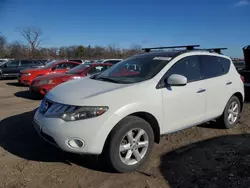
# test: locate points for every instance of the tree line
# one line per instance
(32, 48)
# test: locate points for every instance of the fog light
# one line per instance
(75, 143)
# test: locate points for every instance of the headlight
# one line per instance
(42, 82)
(27, 74)
(78, 113)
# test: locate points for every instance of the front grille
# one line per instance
(45, 105)
(53, 109)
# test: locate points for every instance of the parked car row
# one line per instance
(43, 76)
(43, 84)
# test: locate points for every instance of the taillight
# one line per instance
(242, 78)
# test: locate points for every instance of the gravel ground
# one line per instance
(203, 156)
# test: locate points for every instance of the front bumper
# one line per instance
(58, 132)
(43, 89)
(25, 80)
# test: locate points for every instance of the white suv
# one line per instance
(121, 112)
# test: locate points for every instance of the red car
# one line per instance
(43, 84)
(28, 75)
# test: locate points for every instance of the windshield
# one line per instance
(78, 69)
(98, 61)
(48, 65)
(2, 62)
(134, 69)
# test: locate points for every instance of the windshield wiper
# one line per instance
(107, 79)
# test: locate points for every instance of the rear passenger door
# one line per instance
(217, 84)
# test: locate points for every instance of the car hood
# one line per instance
(75, 91)
(53, 76)
(32, 70)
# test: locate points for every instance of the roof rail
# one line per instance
(188, 47)
(216, 50)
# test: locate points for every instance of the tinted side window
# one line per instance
(101, 68)
(26, 63)
(61, 66)
(112, 61)
(38, 63)
(94, 70)
(72, 65)
(13, 64)
(211, 67)
(225, 63)
(188, 67)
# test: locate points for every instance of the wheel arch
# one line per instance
(148, 117)
(240, 97)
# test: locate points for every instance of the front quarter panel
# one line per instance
(112, 118)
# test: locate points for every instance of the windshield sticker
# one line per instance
(162, 58)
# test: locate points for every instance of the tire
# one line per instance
(224, 119)
(119, 136)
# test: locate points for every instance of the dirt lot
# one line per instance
(204, 156)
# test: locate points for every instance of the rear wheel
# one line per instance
(231, 114)
(130, 144)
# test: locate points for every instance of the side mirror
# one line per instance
(5, 66)
(53, 68)
(176, 80)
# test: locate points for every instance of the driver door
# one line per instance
(61, 67)
(184, 106)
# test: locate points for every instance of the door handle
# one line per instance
(228, 83)
(201, 91)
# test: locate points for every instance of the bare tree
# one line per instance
(3, 43)
(17, 50)
(33, 36)
(136, 47)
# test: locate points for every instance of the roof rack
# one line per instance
(188, 47)
(216, 50)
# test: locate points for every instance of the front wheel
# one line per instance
(130, 144)
(231, 114)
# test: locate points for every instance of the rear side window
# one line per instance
(211, 67)
(188, 67)
(225, 64)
